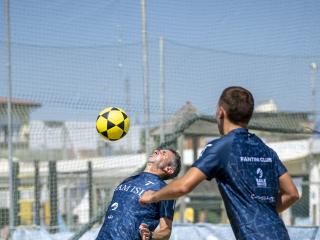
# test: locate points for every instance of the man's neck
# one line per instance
(229, 126)
(151, 169)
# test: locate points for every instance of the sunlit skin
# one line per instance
(158, 162)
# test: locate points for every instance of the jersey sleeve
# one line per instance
(280, 168)
(209, 161)
(167, 209)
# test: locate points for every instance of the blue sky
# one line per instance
(67, 54)
(257, 27)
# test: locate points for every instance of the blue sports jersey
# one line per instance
(125, 214)
(247, 172)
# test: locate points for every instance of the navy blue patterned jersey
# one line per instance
(247, 172)
(125, 214)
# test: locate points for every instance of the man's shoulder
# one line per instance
(160, 182)
(151, 180)
(263, 144)
(131, 178)
(218, 143)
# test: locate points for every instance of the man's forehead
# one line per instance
(166, 150)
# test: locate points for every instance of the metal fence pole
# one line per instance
(36, 194)
(182, 199)
(53, 192)
(162, 90)
(145, 54)
(16, 194)
(90, 190)
(7, 31)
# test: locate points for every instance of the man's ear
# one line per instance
(221, 112)
(168, 170)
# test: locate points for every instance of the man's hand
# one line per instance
(288, 193)
(145, 233)
(147, 197)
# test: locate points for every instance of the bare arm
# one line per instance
(176, 188)
(163, 232)
(288, 193)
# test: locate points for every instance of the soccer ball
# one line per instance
(112, 123)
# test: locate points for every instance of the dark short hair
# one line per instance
(238, 103)
(175, 163)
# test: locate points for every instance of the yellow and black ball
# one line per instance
(112, 123)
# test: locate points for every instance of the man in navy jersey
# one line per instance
(254, 184)
(126, 218)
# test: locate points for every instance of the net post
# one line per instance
(16, 194)
(90, 189)
(36, 193)
(53, 196)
